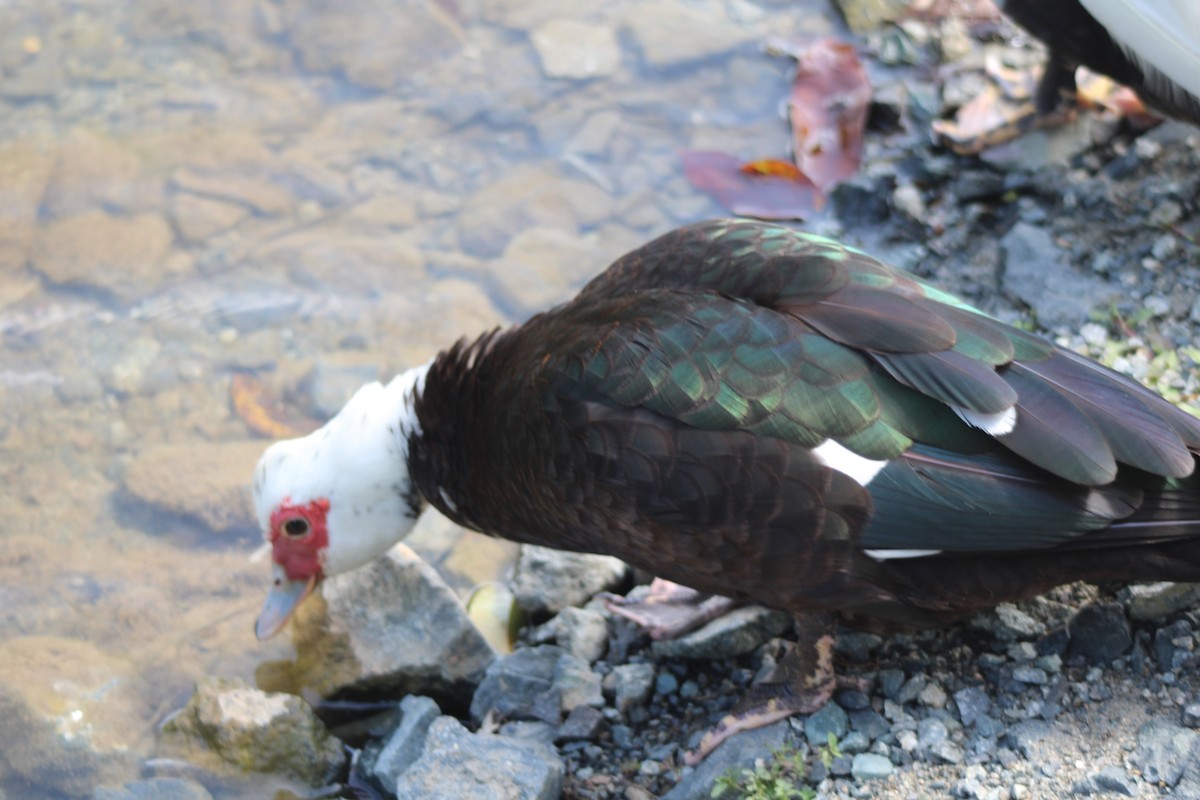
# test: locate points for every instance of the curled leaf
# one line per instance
(988, 119)
(262, 413)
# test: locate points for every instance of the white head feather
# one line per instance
(358, 462)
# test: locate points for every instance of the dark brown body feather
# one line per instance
(649, 419)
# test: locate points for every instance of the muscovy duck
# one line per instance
(768, 415)
(1151, 46)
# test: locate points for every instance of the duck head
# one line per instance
(334, 500)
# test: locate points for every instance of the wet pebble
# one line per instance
(404, 745)
(1024, 735)
(870, 723)
(973, 702)
(1108, 781)
(584, 722)
(1163, 750)
(632, 685)
(495, 766)
(830, 720)
(857, 646)
(576, 684)
(890, 681)
(547, 581)
(582, 632)
(1032, 675)
(1100, 632)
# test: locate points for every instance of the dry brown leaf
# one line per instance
(264, 414)
(828, 107)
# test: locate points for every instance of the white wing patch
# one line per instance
(834, 456)
(997, 424)
(884, 555)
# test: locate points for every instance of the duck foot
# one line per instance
(669, 610)
(801, 683)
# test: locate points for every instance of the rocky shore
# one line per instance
(314, 195)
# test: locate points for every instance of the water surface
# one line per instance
(310, 193)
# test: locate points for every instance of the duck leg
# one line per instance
(669, 610)
(802, 683)
(1056, 91)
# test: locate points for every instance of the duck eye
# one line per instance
(295, 527)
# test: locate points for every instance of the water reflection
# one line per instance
(300, 191)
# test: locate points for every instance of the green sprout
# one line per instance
(778, 779)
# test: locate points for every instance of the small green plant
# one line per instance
(777, 779)
(829, 751)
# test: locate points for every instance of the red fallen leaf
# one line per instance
(748, 192)
(772, 166)
(828, 109)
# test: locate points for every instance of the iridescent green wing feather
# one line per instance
(897, 351)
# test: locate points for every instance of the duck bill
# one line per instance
(283, 598)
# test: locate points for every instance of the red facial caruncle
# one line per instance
(299, 536)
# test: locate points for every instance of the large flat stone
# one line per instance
(391, 626)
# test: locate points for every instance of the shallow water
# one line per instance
(310, 193)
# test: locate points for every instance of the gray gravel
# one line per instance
(1087, 234)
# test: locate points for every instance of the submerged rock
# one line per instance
(205, 481)
(121, 256)
(570, 49)
(34, 753)
(154, 789)
(255, 730)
